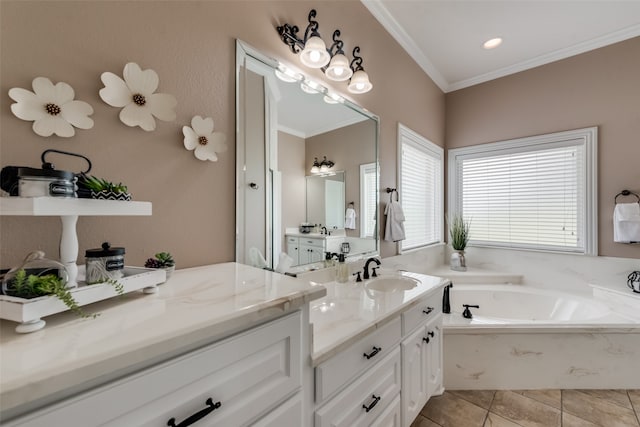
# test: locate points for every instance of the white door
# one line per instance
(414, 375)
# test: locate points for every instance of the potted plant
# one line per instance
(99, 188)
(29, 286)
(459, 232)
(162, 260)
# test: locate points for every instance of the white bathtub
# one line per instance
(523, 337)
(520, 305)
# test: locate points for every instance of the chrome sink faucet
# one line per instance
(365, 273)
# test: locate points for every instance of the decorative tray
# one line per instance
(28, 312)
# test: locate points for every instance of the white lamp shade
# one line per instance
(339, 69)
(360, 82)
(314, 54)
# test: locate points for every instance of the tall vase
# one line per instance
(458, 261)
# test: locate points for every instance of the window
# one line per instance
(421, 184)
(531, 193)
(368, 200)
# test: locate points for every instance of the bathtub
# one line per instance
(519, 305)
(524, 337)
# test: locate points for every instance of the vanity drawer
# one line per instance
(292, 240)
(249, 374)
(425, 309)
(337, 371)
(312, 242)
(377, 389)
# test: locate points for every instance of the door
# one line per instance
(414, 375)
(434, 356)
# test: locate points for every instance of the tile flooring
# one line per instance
(532, 408)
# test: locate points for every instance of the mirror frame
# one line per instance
(244, 50)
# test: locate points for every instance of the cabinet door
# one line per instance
(304, 254)
(415, 389)
(316, 254)
(292, 249)
(434, 356)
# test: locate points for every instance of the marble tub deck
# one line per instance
(543, 408)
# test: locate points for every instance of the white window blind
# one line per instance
(530, 195)
(368, 193)
(421, 189)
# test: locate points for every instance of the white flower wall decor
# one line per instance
(51, 108)
(201, 138)
(135, 95)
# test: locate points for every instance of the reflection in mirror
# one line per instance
(281, 129)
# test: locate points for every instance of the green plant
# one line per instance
(459, 231)
(99, 184)
(34, 286)
(161, 260)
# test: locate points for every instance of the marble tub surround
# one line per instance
(197, 306)
(544, 408)
(351, 310)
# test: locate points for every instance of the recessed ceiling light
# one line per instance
(490, 44)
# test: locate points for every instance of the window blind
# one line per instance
(532, 197)
(421, 193)
(368, 178)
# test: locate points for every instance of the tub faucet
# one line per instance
(446, 305)
(365, 273)
(467, 313)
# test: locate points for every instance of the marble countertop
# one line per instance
(316, 235)
(350, 311)
(476, 275)
(195, 307)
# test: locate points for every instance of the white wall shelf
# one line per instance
(68, 209)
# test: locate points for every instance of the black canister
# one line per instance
(105, 263)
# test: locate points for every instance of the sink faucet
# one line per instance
(323, 230)
(365, 274)
(446, 305)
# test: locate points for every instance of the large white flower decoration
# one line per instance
(135, 94)
(51, 108)
(201, 138)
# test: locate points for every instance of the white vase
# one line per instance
(458, 261)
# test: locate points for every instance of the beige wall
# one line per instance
(349, 147)
(599, 88)
(191, 45)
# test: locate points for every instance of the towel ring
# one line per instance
(626, 193)
(391, 191)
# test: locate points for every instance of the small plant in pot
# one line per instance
(99, 188)
(459, 232)
(162, 260)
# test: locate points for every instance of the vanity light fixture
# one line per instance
(310, 87)
(326, 165)
(359, 82)
(316, 166)
(333, 98)
(313, 51)
(339, 68)
(287, 75)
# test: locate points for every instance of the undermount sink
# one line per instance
(391, 284)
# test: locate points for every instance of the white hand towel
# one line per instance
(394, 229)
(350, 219)
(626, 223)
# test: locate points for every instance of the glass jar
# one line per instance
(104, 264)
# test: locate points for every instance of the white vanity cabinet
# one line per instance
(386, 377)
(421, 356)
(253, 378)
(310, 249)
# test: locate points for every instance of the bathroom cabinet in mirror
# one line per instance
(281, 130)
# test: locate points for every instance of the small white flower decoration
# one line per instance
(51, 108)
(201, 138)
(135, 94)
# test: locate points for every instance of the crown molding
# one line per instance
(556, 55)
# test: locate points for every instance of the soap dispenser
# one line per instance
(342, 271)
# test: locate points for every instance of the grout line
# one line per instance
(634, 408)
(561, 408)
(538, 400)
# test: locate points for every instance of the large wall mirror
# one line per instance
(282, 128)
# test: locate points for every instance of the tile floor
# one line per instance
(532, 408)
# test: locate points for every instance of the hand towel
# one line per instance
(626, 223)
(394, 228)
(350, 219)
